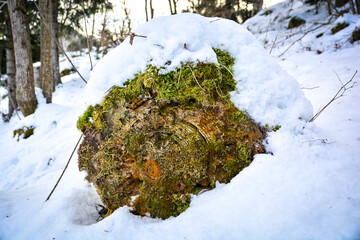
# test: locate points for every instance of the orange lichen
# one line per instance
(151, 169)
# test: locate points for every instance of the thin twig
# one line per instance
(87, 36)
(133, 35)
(179, 79)
(322, 140)
(67, 164)
(273, 45)
(339, 94)
(215, 20)
(195, 77)
(226, 69)
(311, 30)
(310, 88)
(57, 42)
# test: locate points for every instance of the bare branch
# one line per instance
(307, 32)
(67, 164)
(339, 94)
(322, 140)
(195, 78)
(310, 88)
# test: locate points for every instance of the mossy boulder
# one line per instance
(165, 136)
(25, 131)
(295, 22)
(339, 27)
(356, 35)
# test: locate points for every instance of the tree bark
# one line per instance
(54, 4)
(151, 10)
(357, 3)
(329, 6)
(25, 91)
(45, 51)
(175, 11)
(171, 11)
(146, 11)
(10, 65)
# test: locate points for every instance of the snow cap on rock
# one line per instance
(264, 89)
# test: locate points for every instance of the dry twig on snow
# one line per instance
(338, 95)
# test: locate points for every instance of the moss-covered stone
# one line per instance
(165, 136)
(25, 131)
(356, 35)
(295, 22)
(339, 27)
(67, 71)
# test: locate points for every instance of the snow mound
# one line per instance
(308, 188)
(264, 90)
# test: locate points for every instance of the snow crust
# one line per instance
(307, 187)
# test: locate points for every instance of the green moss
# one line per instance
(339, 27)
(84, 121)
(200, 83)
(66, 72)
(295, 22)
(25, 131)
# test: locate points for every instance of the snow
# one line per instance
(306, 187)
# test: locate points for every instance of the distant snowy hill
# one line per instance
(307, 187)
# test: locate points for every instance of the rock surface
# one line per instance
(152, 144)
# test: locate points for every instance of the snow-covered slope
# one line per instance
(307, 188)
(318, 59)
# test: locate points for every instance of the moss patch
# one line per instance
(165, 136)
(295, 22)
(25, 131)
(67, 71)
(339, 27)
(356, 35)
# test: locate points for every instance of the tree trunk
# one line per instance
(329, 6)
(175, 11)
(151, 10)
(54, 4)
(357, 3)
(352, 7)
(146, 11)
(45, 51)
(171, 11)
(257, 6)
(10, 65)
(25, 91)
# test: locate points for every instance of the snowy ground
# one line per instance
(306, 189)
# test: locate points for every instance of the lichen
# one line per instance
(165, 136)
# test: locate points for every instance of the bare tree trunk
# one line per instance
(54, 48)
(357, 3)
(10, 65)
(25, 91)
(151, 10)
(352, 7)
(171, 11)
(175, 11)
(329, 6)
(45, 51)
(146, 11)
